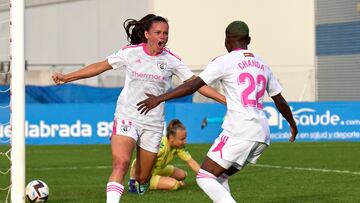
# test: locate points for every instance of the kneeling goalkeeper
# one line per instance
(164, 175)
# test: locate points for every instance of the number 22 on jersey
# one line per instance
(252, 95)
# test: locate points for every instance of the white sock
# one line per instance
(209, 184)
(224, 181)
(114, 191)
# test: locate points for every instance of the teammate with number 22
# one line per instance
(245, 78)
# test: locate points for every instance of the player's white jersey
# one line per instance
(145, 74)
(245, 78)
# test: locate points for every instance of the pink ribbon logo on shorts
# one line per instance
(221, 144)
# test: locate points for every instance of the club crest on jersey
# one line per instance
(161, 65)
(125, 128)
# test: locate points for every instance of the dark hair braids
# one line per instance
(135, 29)
(174, 125)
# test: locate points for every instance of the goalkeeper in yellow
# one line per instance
(164, 175)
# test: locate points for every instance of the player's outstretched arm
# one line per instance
(210, 92)
(185, 89)
(194, 165)
(285, 110)
(86, 72)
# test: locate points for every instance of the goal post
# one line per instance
(17, 58)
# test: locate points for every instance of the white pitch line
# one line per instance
(308, 169)
(70, 168)
(256, 165)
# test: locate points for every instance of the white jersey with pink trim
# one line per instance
(145, 74)
(245, 78)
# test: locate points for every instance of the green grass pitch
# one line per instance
(287, 172)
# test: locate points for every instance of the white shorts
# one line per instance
(227, 151)
(145, 138)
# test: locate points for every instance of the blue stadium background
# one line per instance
(77, 114)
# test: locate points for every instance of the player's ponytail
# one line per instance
(174, 125)
(135, 29)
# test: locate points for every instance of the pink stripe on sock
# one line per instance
(205, 175)
(114, 188)
(114, 191)
(110, 190)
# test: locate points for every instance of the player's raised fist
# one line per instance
(58, 78)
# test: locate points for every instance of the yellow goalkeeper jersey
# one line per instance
(166, 154)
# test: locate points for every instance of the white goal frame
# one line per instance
(17, 58)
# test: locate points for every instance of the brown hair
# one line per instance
(135, 28)
(174, 125)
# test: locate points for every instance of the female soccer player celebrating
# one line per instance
(149, 69)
